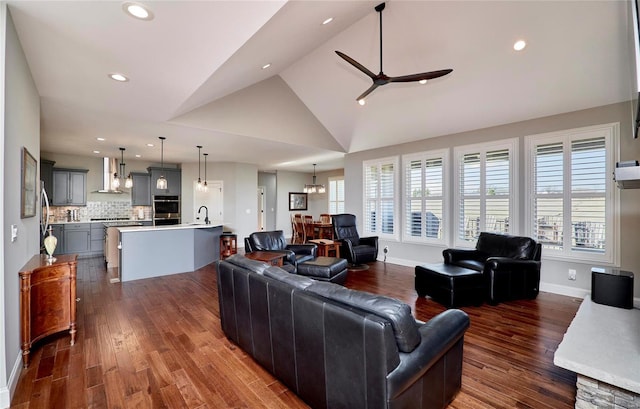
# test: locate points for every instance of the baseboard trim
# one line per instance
(7, 392)
(564, 290)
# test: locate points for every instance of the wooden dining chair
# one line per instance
(300, 237)
(326, 232)
(309, 227)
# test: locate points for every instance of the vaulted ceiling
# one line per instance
(196, 73)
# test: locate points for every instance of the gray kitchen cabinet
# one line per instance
(46, 174)
(97, 239)
(69, 187)
(174, 181)
(77, 238)
(141, 190)
(58, 232)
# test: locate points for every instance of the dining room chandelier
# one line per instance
(314, 187)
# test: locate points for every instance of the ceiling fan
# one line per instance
(382, 78)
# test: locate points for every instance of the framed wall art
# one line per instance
(297, 201)
(29, 172)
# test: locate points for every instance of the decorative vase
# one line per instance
(50, 243)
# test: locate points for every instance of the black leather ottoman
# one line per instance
(330, 269)
(450, 285)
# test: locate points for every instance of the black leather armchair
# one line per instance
(510, 265)
(275, 241)
(355, 249)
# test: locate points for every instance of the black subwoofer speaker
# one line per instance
(610, 286)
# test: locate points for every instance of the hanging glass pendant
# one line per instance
(161, 183)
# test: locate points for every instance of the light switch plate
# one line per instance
(14, 233)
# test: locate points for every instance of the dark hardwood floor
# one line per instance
(157, 343)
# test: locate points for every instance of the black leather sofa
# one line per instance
(276, 241)
(501, 268)
(339, 348)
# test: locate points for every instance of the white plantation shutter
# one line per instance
(380, 179)
(572, 214)
(424, 200)
(485, 193)
(336, 195)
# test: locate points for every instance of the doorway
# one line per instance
(212, 199)
(261, 221)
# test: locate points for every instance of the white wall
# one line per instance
(554, 273)
(21, 129)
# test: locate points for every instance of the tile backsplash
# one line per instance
(111, 210)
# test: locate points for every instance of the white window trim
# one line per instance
(458, 152)
(395, 160)
(335, 179)
(612, 195)
(445, 155)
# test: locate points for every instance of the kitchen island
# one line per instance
(152, 251)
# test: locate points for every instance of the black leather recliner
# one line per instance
(356, 249)
(275, 241)
(510, 265)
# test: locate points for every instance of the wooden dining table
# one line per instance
(325, 230)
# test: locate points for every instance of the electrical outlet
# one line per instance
(572, 274)
(386, 249)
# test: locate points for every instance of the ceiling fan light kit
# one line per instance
(382, 78)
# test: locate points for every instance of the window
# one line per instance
(573, 196)
(424, 190)
(485, 195)
(336, 195)
(380, 197)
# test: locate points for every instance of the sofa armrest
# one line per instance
(497, 264)
(303, 249)
(370, 241)
(451, 256)
(438, 336)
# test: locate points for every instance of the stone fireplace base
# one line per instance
(596, 394)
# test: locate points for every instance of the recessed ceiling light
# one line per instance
(150, 145)
(519, 45)
(118, 77)
(422, 82)
(100, 139)
(327, 21)
(137, 10)
(138, 156)
(96, 151)
(267, 65)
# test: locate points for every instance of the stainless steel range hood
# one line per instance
(627, 175)
(109, 167)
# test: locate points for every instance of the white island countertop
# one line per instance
(603, 343)
(126, 229)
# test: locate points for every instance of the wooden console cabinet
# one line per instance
(47, 299)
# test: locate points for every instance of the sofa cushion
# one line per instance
(268, 240)
(502, 245)
(293, 280)
(251, 265)
(397, 313)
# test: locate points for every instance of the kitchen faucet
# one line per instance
(206, 214)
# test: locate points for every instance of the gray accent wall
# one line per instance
(554, 272)
(21, 129)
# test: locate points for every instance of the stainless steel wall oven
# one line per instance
(166, 210)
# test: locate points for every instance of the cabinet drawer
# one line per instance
(77, 226)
